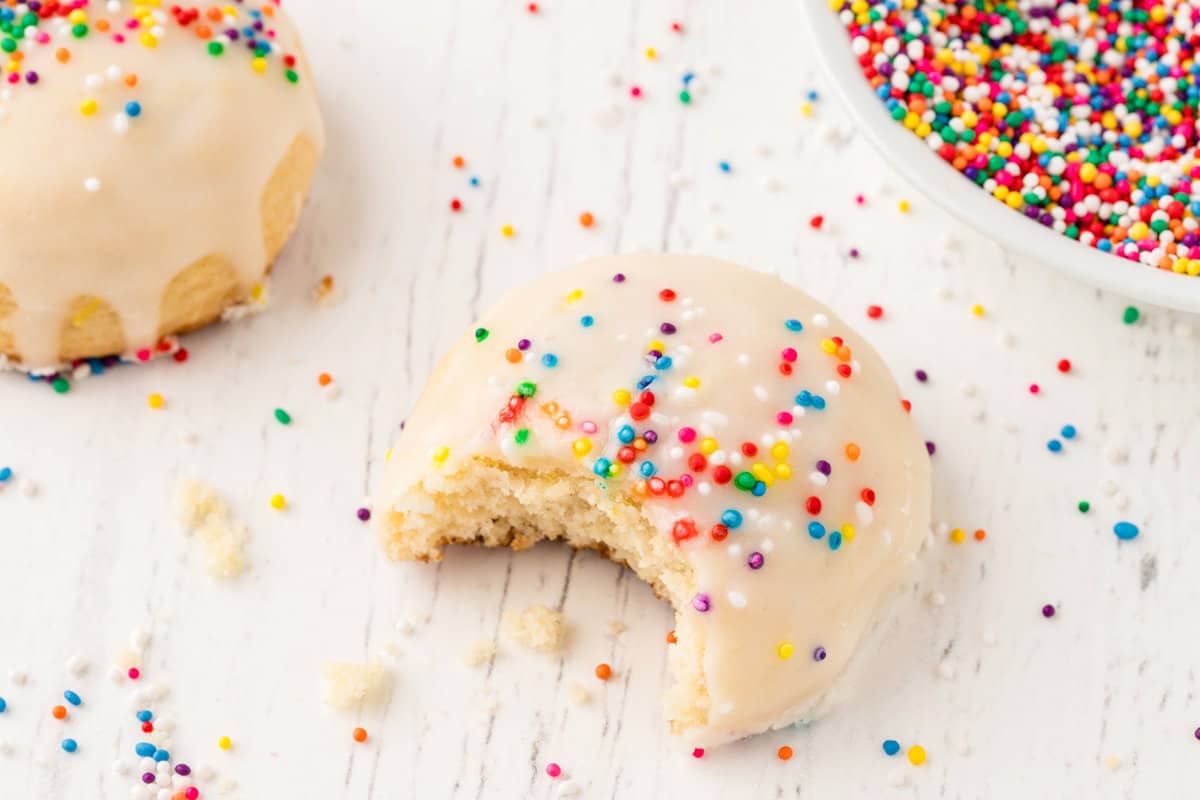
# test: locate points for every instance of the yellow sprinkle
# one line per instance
(785, 650)
(614, 469)
(387, 456)
(656, 345)
(904, 207)
(651, 53)
(224, 743)
(958, 536)
(848, 532)
(259, 65)
(155, 401)
(81, 316)
(692, 382)
(88, 107)
(977, 310)
(806, 109)
(621, 397)
(783, 471)
(148, 39)
(761, 472)
(508, 231)
(256, 292)
(708, 446)
(829, 346)
(779, 451)
(581, 447)
(278, 502)
(916, 755)
(441, 454)
(77, 16)
(575, 295)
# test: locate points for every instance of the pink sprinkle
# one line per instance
(553, 770)
(784, 418)
(134, 673)
(143, 354)
(859, 199)
(636, 91)
(191, 793)
(587, 426)
(715, 337)
(698, 752)
(1034, 388)
(132, 24)
(789, 354)
(686, 480)
(687, 435)
(42, 38)
(119, 38)
(13, 77)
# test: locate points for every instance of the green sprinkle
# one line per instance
(1084, 506)
(1131, 315)
(481, 334)
(284, 417)
(292, 76)
(79, 31)
(745, 481)
(61, 385)
(522, 436)
(685, 97)
(526, 388)
(8, 45)
(215, 48)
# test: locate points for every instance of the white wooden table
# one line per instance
(1100, 701)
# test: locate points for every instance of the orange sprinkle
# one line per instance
(213, 13)
(58, 712)
(671, 637)
(586, 219)
(203, 32)
(980, 535)
(267, 10)
(513, 355)
(102, 25)
(459, 162)
(785, 753)
(324, 379)
(63, 55)
(603, 671)
(131, 80)
(360, 734)
(853, 451)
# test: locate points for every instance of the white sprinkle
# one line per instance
(761, 393)
(896, 777)
(743, 359)
(114, 73)
(675, 452)
(92, 184)
(725, 708)
(76, 665)
(818, 478)
(941, 530)
(947, 670)
(18, 676)
(734, 550)
(767, 545)
(943, 293)
(115, 674)
(833, 387)
(93, 81)
(704, 488)
(820, 320)
(114, 6)
(866, 515)
(120, 766)
(537, 121)
(736, 599)
(568, 788)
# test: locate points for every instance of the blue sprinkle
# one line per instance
(759, 489)
(72, 698)
(794, 325)
(144, 749)
(724, 165)
(550, 360)
(818, 402)
(3, 705)
(645, 381)
(1054, 445)
(162, 755)
(626, 434)
(1068, 431)
(816, 530)
(601, 467)
(688, 77)
(5, 473)
(1126, 530)
(812, 94)
(835, 540)
(891, 747)
(70, 745)
(663, 363)
(144, 716)
(133, 108)
(646, 468)
(804, 399)
(587, 320)
(731, 518)
(474, 181)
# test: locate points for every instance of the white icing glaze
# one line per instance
(805, 594)
(114, 207)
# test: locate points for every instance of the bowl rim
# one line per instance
(928, 172)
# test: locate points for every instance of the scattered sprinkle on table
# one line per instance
(891, 747)
(155, 401)
(1130, 315)
(278, 502)
(224, 743)
(359, 734)
(603, 671)
(916, 755)
(1126, 530)
(1084, 506)
(284, 417)
(553, 770)
(1048, 611)
(784, 753)
(70, 745)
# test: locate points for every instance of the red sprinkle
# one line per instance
(1064, 365)
(874, 312)
(456, 204)
(816, 222)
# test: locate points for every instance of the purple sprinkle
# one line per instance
(650, 436)
(619, 277)
(183, 769)
(232, 34)
(701, 603)
(667, 328)
(854, 252)
(824, 467)
(755, 561)
(31, 77)
(1048, 611)
(819, 654)
(364, 514)
(147, 777)
(922, 375)
(524, 344)
(1198, 733)
(930, 448)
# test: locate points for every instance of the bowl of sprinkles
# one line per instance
(1068, 132)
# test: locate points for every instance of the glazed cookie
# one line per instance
(718, 431)
(155, 161)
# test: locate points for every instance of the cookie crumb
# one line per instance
(346, 684)
(578, 693)
(202, 512)
(479, 653)
(538, 628)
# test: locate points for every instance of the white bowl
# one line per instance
(965, 200)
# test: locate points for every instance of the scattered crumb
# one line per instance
(947, 670)
(203, 513)
(569, 788)
(408, 625)
(323, 290)
(1112, 762)
(616, 627)
(346, 684)
(578, 693)
(479, 653)
(537, 627)
(936, 599)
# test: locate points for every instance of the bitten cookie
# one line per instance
(718, 431)
(155, 161)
